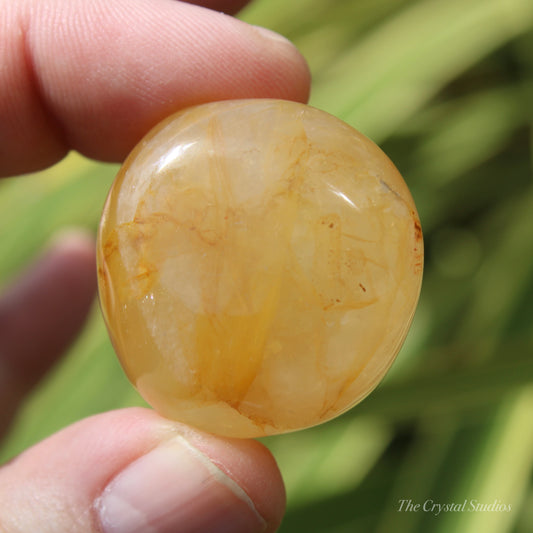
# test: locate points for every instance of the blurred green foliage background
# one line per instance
(446, 88)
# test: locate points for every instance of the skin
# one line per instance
(95, 76)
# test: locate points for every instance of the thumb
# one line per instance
(132, 471)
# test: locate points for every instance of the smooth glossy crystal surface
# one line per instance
(259, 266)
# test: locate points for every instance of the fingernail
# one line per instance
(71, 239)
(175, 487)
(272, 35)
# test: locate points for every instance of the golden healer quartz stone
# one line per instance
(259, 264)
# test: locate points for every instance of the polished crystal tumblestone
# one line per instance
(259, 264)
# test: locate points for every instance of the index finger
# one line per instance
(96, 76)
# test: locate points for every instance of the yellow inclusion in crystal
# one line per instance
(259, 265)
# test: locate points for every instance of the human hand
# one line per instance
(95, 76)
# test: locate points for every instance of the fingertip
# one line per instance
(251, 465)
(131, 471)
(291, 78)
(124, 66)
(73, 242)
(72, 252)
(200, 57)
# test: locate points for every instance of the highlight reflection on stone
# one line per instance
(259, 264)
